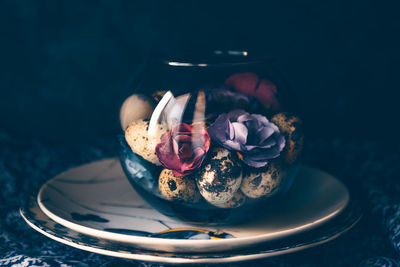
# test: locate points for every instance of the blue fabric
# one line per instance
(366, 167)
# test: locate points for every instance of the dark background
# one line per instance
(66, 66)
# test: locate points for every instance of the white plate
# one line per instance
(33, 215)
(96, 199)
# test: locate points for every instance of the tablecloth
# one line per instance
(370, 167)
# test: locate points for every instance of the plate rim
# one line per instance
(179, 259)
(200, 244)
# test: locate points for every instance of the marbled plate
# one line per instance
(34, 216)
(96, 199)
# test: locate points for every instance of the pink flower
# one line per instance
(249, 83)
(183, 149)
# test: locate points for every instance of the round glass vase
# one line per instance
(210, 140)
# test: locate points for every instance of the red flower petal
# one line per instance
(201, 139)
(175, 146)
(184, 138)
(249, 83)
(185, 151)
(265, 93)
(244, 82)
(166, 156)
(182, 128)
(177, 173)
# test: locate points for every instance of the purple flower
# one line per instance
(251, 135)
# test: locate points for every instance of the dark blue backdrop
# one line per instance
(65, 65)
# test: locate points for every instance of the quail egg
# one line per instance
(142, 142)
(220, 177)
(236, 201)
(291, 127)
(181, 188)
(264, 181)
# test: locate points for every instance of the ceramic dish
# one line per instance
(96, 199)
(34, 216)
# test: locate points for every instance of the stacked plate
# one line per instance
(94, 208)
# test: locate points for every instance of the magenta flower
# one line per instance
(183, 149)
(261, 89)
(251, 135)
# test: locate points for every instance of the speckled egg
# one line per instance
(264, 181)
(141, 142)
(182, 188)
(220, 177)
(291, 127)
(236, 201)
(135, 107)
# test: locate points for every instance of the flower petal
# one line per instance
(240, 133)
(185, 151)
(257, 139)
(177, 152)
(183, 138)
(245, 82)
(182, 128)
(175, 146)
(219, 129)
(232, 145)
(264, 133)
(254, 163)
(260, 118)
(231, 131)
(167, 157)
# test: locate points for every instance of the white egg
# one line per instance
(219, 178)
(136, 107)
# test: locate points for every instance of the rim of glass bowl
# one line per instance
(226, 58)
(216, 58)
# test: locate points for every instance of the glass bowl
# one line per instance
(210, 140)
